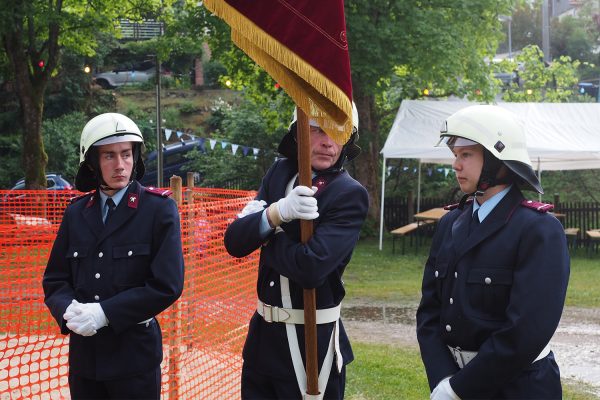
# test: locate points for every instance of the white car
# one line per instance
(121, 76)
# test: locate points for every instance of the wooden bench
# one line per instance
(405, 230)
(593, 238)
(571, 234)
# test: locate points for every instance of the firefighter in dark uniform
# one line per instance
(274, 350)
(116, 263)
(495, 282)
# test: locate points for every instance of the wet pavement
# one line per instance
(576, 343)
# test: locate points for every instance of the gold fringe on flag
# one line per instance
(314, 93)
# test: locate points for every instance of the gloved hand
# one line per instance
(298, 204)
(252, 207)
(90, 317)
(443, 391)
(71, 311)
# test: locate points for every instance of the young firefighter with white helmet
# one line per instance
(495, 282)
(274, 350)
(116, 263)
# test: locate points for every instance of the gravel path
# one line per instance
(576, 343)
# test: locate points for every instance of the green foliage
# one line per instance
(10, 159)
(213, 70)
(248, 125)
(541, 83)
(61, 140)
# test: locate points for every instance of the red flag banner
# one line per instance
(302, 45)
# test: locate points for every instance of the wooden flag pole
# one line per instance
(306, 231)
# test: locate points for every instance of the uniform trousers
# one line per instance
(141, 386)
(259, 386)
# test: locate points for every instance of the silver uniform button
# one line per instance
(96, 297)
(436, 274)
(97, 275)
(448, 328)
(451, 300)
(129, 253)
(101, 254)
(75, 254)
(271, 283)
(487, 280)
(455, 274)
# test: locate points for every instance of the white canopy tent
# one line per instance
(560, 136)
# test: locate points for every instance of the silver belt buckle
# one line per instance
(268, 317)
(458, 357)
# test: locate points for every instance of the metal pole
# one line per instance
(510, 38)
(159, 136)
(545, 32)
(382, 204)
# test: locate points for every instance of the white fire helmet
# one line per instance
(105, 129)
(499, 131)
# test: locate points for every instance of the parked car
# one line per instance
(53, 182)
(174, 161)
(18, 202)
(127, 74)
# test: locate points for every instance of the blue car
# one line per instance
(53, 182)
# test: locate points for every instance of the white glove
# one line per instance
(252, 207)
(298, 204)
(71, 311)
(443, 391)
(90, 317)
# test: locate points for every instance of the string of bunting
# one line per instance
(246, 150)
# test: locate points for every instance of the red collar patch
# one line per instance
(132, 200)
(537, 206)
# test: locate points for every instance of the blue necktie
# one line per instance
(474, 221)
(110, 204)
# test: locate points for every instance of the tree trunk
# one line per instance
(367, 165)
(34, 155)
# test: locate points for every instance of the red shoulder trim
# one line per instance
(537, 206)
(81, 196)
(159, 192)
(451, 207)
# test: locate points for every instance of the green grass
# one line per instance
(380, 276)
(385, 372)
(393, 372)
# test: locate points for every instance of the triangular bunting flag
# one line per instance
(168, 133)
(224, 145)
(213, 142)
(234, 148)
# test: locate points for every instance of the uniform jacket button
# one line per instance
(75, 254)
(97, 275)
(271, 283)
(96, 297)
(455, 274)
(129, 253)
(436, 274)
(451, 300)
(101, 254)
(448, 328)
(488, 280)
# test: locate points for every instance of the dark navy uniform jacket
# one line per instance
(499, 291)
(319, 264)
(133, 267)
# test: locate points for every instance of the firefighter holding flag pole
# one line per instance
(308, 213)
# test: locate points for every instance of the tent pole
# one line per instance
(382, 204)
(539, 178)
(419, 188)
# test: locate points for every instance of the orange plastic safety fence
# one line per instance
(203, 332)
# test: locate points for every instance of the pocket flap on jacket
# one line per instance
(491, 276)
(131, 250)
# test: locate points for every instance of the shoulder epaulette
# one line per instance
(159, 192)
(77, 198)
(451, 207)
(537, 206)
